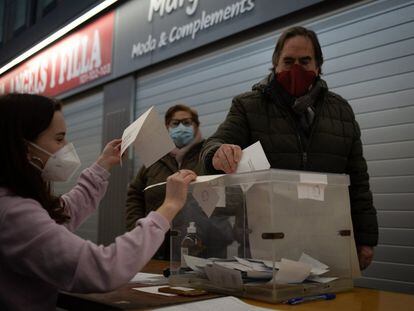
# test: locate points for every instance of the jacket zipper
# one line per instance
(295, 128)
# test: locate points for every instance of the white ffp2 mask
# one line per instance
(61, 165)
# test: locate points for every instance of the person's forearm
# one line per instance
(168, 210)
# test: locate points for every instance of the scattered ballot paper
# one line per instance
(149, 136)
(253, 159)
(253, 265)
(318, 267)
(224, 277)
(196, 263)
(291, 271)
(224, 272)
(227, 303)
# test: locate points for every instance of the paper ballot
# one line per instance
(149, 136)
(291, 271)
(253, 159)
(199, 179)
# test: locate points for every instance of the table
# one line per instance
(359, 299)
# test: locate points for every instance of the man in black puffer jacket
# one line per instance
(301, 126)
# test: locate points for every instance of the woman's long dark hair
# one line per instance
(22, 118)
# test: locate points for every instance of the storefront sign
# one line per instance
(191, 29)
(81, 57)
(149, 31)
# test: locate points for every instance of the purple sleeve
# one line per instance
(34, 245)
(84, 198)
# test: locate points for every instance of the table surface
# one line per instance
(359, 299)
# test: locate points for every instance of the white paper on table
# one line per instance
(152, 290)
(149, 278)
(195, 263)
(206, 197)
(199, 179)
(149, 136)
(227, 303)
(224, 277)
(253, 159)
(312, 186)
(292, 271)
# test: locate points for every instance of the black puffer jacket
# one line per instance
(333, 144)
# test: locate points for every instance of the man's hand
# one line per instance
(365, 254)
(226, 158)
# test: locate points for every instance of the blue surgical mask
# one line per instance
(182, 135)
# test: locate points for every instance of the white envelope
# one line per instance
(149, 136)
(253, 159)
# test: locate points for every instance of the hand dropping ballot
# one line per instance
(208, 197)
(149, 136)
(253, 159)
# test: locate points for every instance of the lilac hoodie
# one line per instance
(39, 257)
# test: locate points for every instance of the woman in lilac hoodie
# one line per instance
(39, 253)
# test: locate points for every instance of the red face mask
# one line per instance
(297, 80)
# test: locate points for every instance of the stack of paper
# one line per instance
(232, 273)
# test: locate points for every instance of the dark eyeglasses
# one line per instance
(186, 122)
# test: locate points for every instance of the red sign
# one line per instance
(81, 57)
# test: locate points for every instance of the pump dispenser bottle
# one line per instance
(191, 244)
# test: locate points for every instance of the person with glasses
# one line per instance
(184, 127)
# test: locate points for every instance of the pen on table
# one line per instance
(297, 300)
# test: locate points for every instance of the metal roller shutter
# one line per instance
(83, 117)
(369, 60)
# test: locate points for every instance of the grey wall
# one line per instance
(369, 60)
(83, 116)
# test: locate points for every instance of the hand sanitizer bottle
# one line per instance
(191, 244)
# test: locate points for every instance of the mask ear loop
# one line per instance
(39, 165)
(33, 159)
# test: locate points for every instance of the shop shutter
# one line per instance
(83, 116)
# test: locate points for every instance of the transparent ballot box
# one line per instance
(268, 235)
